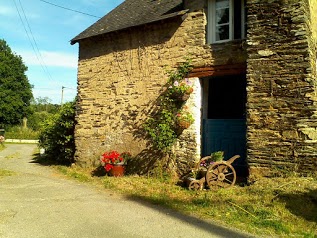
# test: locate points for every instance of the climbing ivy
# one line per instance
(162, 126)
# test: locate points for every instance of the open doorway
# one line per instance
(224, 121)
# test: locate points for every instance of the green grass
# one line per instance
(4, 173)
(279, 207)
(17, 132)
(2, 146)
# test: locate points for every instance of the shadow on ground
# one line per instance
(302, 204)
(45, 160)
(214, 229)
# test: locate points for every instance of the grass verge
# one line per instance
(4, 173)
(2, 146)
(275, 207)
(18, 132)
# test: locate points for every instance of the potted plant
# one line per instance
(114, 162)
(180, 90)
(184, 119)
(214, 157)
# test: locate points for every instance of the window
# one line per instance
(226, 20)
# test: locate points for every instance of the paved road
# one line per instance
(37, 202)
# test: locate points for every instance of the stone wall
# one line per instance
(281, 79)
(312, 11)
(121, 76)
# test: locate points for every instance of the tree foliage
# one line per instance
(42, 108)
(15, 89)
(57, 134)
(41, 104)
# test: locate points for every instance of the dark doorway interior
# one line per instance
(227, 97)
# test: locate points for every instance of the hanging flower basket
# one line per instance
(181, 97)
(184, 119)
(180, 91)
(183, 124)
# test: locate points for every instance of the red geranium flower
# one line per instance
(108, 167)
(110, 158)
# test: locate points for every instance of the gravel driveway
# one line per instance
(37, 202)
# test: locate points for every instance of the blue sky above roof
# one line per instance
(51, 61)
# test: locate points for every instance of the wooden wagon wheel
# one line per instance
(195, 185)
(220, 175)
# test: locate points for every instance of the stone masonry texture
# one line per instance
(122, 74)
(281, 79)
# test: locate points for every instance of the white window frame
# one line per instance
(211, 26)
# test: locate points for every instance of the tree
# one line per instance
(15, 89)
(41, 104)
(42, 108)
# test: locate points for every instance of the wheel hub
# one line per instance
(221, 176)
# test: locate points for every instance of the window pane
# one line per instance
(222, 4)
(222, 16)
(222, 32)
(237, 19)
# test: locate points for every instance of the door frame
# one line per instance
(240, 165)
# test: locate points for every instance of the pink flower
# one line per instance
(176, 84)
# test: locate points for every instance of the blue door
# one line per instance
(224, 128)
(228, 135)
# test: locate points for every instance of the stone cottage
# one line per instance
(254, 77)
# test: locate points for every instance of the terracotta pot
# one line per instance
(117, 170)
(183, 124)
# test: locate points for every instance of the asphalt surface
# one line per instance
(38, 202)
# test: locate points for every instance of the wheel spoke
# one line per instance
(228, 180)
(214, 174)
(213, 179)
(229, 174)
(221, 168)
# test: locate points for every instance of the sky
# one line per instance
(40, 33)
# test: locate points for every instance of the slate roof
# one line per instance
(133, 13)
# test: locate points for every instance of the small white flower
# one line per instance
(187, 81)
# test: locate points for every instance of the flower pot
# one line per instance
(180, 97)
(183, 124)
(117, 170)
(185, 97)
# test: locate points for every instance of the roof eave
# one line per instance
(182, 14)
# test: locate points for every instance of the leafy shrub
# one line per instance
(36, 119)
(57, 135)
(161, 130)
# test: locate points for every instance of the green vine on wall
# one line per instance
(171, 116)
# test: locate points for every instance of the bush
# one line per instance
(57, 135)
(36, 119)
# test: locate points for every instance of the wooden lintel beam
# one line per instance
(220, 70)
